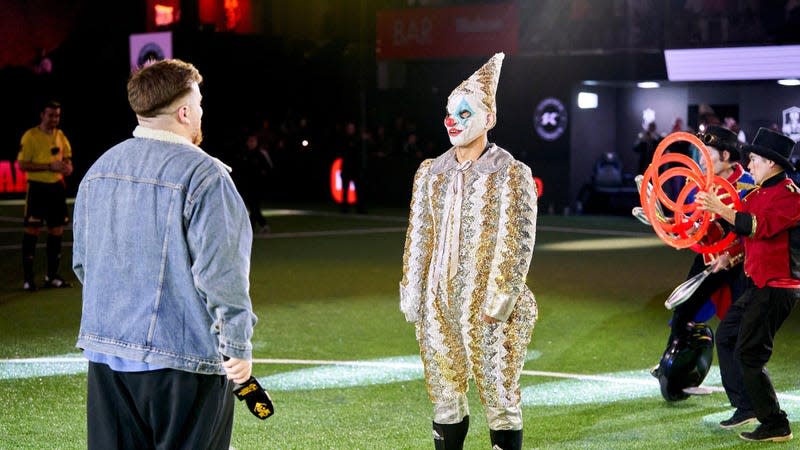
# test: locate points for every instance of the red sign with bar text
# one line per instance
(476, 30)
(12, 179)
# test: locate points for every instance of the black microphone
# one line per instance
(257, 399)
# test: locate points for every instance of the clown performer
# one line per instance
(468, 248)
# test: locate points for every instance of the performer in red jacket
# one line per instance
(676, 370)
(769, 223)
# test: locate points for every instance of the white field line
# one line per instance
(396, 365)
(328, 362)
(46, 360)
(577, 376)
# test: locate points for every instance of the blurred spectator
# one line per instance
(350, 150)
(682, 147)
(645, 146)
(705, 117)
(383, 145)
(42, 64)
(733, 125)
(251, 172)
(411, 149)
(266, 136)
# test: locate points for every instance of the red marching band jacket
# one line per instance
(716, 231)
(769, 223)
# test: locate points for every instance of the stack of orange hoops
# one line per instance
(688, 224)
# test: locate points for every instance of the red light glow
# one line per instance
(12, 179)
(165, 15)
(336, 184)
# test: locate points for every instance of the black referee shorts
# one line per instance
(46, 203)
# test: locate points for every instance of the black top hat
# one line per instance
(773, 146)
(723, 139)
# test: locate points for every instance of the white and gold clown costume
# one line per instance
(468, 248)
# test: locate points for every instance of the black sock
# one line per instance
(28, 254)
(450, 436)
(506, 439)
(53, 255)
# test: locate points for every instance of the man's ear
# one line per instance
(491, 120)
(183, 114)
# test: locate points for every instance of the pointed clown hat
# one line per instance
(483, 83)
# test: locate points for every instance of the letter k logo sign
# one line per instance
(549, 118)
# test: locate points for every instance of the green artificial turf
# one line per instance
(333, 297)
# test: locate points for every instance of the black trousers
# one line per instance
(763, 311)
(729, 367)
(686, 311)
(161, 409)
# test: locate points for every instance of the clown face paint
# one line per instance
(466, 119)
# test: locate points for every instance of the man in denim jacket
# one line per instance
(162, 247)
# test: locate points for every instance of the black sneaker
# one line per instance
(29, 286)
(764, 433)
(56, 282)
(740, 417)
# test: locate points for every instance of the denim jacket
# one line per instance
(162, 247)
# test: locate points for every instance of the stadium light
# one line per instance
(768, 62)
(587, 100)
(648, 84)
(789, 82)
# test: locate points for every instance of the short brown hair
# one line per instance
(51, 104)
(156, 86)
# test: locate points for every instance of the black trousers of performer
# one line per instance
(729, 367)
(763, 312)
(686, 311)
(161, 409)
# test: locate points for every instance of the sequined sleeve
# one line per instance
(515, 240)
(418, 247)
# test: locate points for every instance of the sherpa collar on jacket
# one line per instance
(169, 136)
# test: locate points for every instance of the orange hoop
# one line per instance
(688, 224)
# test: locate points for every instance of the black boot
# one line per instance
(450, 436)
(506, 439)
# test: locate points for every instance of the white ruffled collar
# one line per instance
(492, 160)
